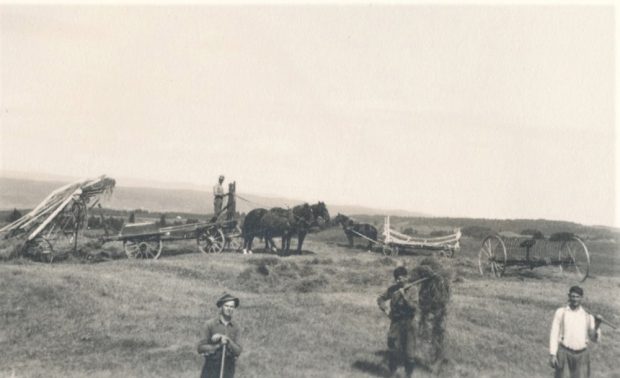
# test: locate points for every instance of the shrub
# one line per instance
(562, 236)
(15, 215)
(410, 231)
(535, 233)
(476, 231)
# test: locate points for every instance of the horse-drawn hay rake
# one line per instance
(52, 228)
(507, 249)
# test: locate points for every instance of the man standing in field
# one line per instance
(219, 341)
(218, 196)
(571, 330)
(401, 338)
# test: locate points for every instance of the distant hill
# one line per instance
(24, 193)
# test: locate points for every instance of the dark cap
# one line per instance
(227, 298)
(576, 289)
(221, 177)
(400, 271)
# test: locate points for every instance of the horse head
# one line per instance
(340, 219)
(320, 214)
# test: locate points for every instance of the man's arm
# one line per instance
(410, 296)
(594, 332)
(554, 337)
(206, 344)
(382, 299)
(232, 345)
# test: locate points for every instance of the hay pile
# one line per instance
(434, 295)
(275, 275)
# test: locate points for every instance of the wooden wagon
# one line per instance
(507, 249)
(146, 240)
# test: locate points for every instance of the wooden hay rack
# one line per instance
(394, 241)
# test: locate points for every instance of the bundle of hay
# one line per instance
(434, 295)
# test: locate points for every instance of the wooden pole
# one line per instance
(231, 206)
(222, 364)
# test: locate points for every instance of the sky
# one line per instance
(449, 110)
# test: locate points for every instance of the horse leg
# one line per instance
(247, 243)
(350, 239)
(300, 241)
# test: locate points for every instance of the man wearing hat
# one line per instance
(571, 331)
(219, 341)
(218, 196)
(401, 338)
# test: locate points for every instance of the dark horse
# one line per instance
(284, 223)
(353, 229)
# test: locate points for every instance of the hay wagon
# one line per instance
(506, 249)
(393, 242)
(146, 240)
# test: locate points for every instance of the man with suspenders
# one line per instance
(571, 331)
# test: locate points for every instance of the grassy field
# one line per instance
(302, 316)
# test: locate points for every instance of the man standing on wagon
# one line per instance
(219, 342)
(401, 338)
(571, 330)
(218, 196)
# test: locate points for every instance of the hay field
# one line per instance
(302, 316)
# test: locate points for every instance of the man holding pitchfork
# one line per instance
(219, 341)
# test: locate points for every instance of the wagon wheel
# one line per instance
(234, 240)
(574, 259)
(492, 256)
(390, 250)
(211, 240)
(234, 243)
(42, 249)
(143, 248)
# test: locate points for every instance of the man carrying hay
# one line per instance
(401, 338)
(219, 342)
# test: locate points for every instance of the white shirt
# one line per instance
(218, 190)
(571, 328)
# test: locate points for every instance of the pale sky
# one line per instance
(454, 110)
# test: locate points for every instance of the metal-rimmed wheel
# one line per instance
(492, 256)
(211, 240)
(143, 248)
(41, 248)
(234, 243)
(390, 250)
(574, 259)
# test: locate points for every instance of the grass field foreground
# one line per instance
(302, 316)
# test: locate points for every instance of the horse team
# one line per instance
(268, 224)
(283, 223)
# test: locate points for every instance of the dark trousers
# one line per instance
(217, 205)
(212, 367)
(401, 343)
(576, 363)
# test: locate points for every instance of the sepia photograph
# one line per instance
(309, 189)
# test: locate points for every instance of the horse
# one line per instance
(321, 215)
(284, 223)
(354, 229)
